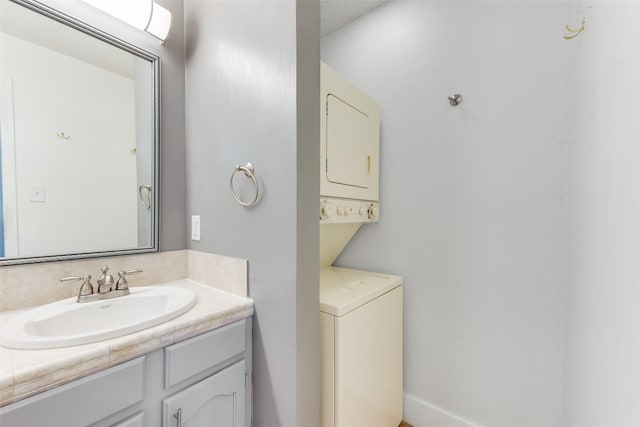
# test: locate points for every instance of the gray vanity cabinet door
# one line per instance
(217, 401)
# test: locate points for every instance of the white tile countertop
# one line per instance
(27, 372)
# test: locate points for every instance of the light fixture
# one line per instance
(159, 22)
(145, 15)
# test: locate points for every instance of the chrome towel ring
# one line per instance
(249, 173)
(144, 191)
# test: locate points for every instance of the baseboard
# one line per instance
(423, 414)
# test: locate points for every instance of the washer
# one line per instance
(361, 333)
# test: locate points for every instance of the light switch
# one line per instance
(36, 193)
(195, 227)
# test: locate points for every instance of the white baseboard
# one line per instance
(419, 413)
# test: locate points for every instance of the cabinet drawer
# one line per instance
(81, 402)
(135, 421)
(196, 355)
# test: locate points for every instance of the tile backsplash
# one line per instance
(36, 284)
(221, 272)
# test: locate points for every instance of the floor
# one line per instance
(403, 424)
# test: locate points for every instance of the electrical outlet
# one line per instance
(195, 227)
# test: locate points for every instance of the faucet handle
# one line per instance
(72, 279)
(85, 289)
(122, 283)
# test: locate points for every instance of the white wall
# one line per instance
(145, 160)
(473, 200)
(603, 319)
(173, 224)
(90, 178)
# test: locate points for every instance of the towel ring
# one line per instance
(249, 173)
(144, 191)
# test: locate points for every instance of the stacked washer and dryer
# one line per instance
(360, 312)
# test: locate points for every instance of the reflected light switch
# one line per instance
(195, 227)
(36, 193)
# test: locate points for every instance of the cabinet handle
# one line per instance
(178, 416)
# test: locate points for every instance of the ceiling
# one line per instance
(35, 28)
(337, 13)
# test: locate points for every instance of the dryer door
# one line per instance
(351, 145)
(350, 140)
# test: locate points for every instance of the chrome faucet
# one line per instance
(105, 288)
(105, 282)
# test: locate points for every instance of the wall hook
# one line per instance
(576, 32)
(61, 135)
(455, 99)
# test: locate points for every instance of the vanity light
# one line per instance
(146, 15)
(159, 23)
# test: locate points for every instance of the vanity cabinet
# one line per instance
(135, 421)
(205, 379)
(218, 400)
(82, 402)
(214, 401)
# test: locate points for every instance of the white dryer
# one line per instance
(361, 333)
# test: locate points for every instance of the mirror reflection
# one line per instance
(78, 135)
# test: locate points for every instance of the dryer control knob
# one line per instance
(374, 211)
(327, 211)
(343, 210)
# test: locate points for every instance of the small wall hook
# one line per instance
(576, 32)
(455, 99)
(62, 135)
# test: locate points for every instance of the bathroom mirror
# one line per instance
(79, 139)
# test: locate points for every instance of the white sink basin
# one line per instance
(67, 322)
